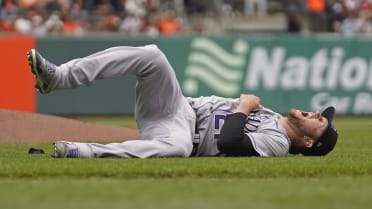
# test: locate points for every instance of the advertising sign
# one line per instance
(308, 73)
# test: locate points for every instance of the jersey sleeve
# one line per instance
(269, 145)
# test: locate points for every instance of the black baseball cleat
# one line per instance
(43, 70)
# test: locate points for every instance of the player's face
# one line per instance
(311, 124)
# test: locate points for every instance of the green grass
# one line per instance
(341, 180)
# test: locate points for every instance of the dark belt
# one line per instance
(195, 147)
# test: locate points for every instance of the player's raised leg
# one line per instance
(110, 63)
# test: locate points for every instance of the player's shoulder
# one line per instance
(270, 145)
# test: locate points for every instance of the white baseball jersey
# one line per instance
(262, 126)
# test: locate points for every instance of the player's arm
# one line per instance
(232, 140)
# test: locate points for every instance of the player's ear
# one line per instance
(308, 141)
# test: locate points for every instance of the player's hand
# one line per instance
(247, 103)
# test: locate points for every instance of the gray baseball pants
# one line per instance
(164, 117)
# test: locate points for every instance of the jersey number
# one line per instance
(218, 123)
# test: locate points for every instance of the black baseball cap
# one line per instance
(328, 139)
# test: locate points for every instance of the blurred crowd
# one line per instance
(76, 17)
(161, 17)
(348, 17)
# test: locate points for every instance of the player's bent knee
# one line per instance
(154, 56)
(151, 53)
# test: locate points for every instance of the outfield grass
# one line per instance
(341, 180)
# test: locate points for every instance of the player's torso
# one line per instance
(210, 116)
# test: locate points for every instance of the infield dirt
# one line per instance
(25, 127)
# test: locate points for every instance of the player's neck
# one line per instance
(289, 128)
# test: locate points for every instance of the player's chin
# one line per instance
(294, 115)
(293, 112)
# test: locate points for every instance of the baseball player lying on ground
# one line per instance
(172, 125)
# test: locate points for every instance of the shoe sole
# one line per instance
(33, 65)
(57, 154)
